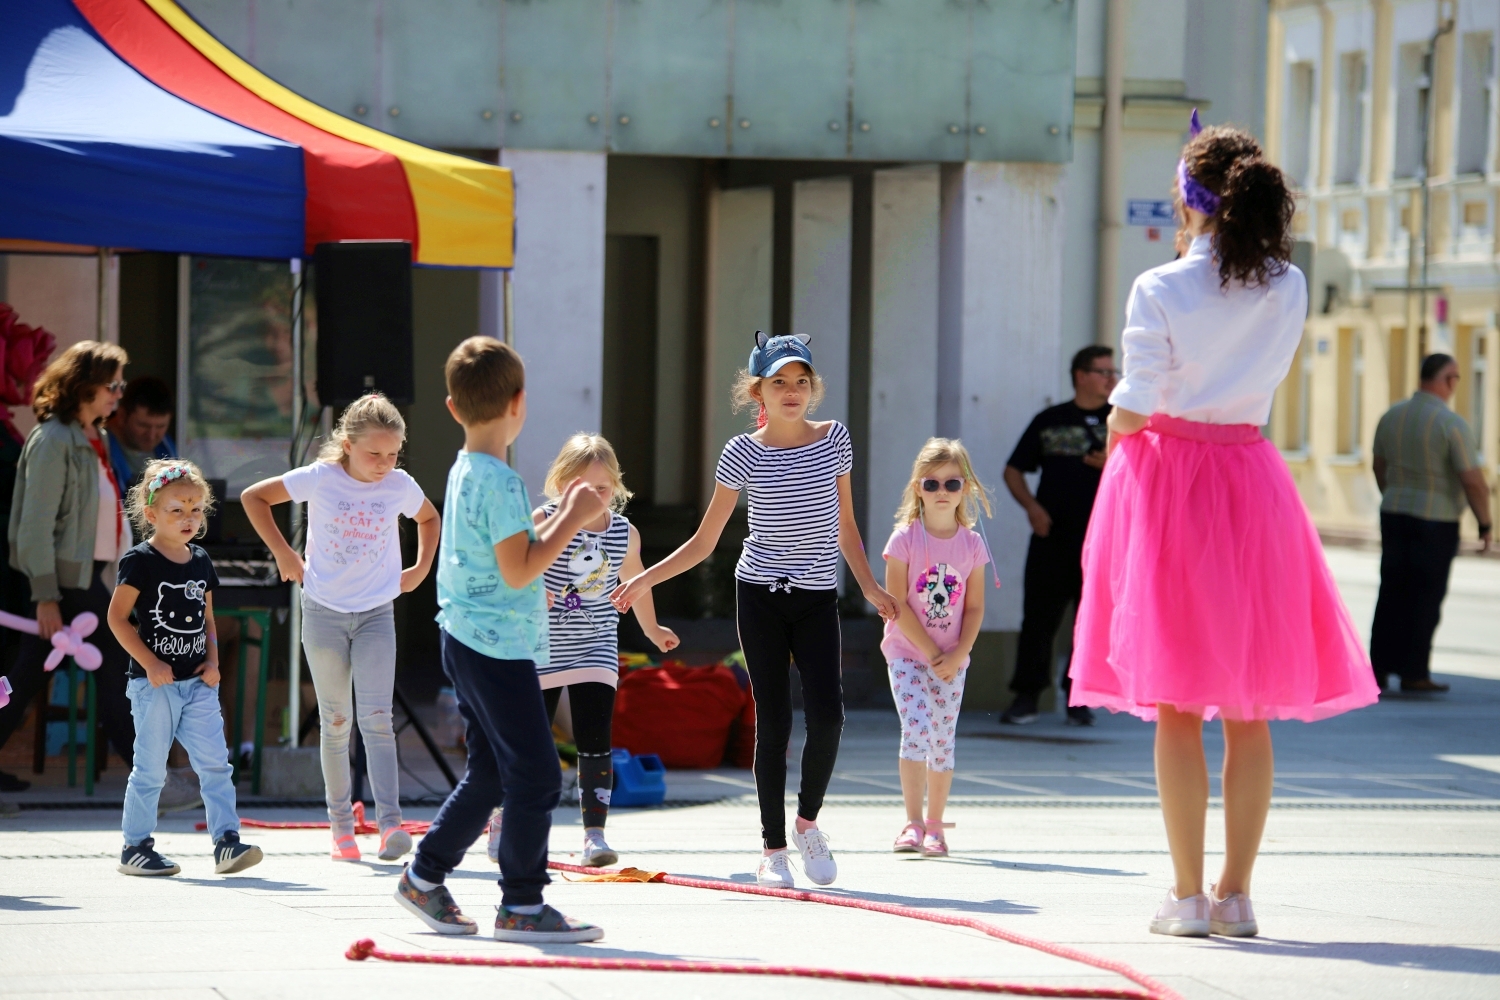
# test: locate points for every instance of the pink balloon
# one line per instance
(5, 690)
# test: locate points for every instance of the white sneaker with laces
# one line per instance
(775, 871)
(817, 859)
(492, 846)
(1182, 917)
(597, 853)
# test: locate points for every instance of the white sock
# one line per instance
(529, 911)
(421, 883)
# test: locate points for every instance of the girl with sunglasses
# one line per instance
(937, 559)
(795, 472)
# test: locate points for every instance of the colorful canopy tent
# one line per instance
(221, 159)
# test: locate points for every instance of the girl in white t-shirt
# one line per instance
(937, 560)
(350, 578)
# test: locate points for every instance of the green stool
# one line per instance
(261, 617)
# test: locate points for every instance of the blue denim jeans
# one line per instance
(512, 762)
(352, 659)
(187, 711)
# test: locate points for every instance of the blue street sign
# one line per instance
(1149, 212)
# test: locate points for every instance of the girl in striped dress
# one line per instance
(796, 474)
(582, 624)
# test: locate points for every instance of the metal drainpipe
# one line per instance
(1111, 204)
(294, 602)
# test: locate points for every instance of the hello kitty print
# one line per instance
(353, 534)
(171, 606)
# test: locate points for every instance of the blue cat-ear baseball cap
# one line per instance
(771, 354)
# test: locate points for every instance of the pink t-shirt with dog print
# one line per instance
(937, 574)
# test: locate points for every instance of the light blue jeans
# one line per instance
(187, 711)
(352, 658)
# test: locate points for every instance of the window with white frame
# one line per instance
(1411, 80)
(1301, 98)
(1351, 129)
(1474, 102)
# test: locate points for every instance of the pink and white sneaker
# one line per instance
(1232, 915)
(934, 844)
(344, 847)
(1182, 917)
(909, 841)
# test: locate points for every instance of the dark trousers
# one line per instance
(775, 629)
(592, 706)
(1054, 579)
(27, 672)
(512, 763)
(1415, 556)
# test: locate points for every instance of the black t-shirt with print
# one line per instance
(1056, 442)
(171, 607)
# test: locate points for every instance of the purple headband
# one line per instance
(1195, 195)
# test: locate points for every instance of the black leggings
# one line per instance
(27, 674)
(776, 628)
(593, 707)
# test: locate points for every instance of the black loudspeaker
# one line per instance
(364, 320)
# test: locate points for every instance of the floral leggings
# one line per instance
(929, 712)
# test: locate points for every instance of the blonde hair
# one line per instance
(935, 454)
(578, 453)
(740, 397)
(140, 496)
(367, 413)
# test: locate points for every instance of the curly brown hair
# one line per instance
(63, 386)
(1252, 228)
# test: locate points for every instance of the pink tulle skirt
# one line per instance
(1205, 586)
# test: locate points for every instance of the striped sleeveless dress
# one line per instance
(582, 624)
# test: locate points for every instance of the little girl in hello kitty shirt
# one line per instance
(352, 574)
(937, 560)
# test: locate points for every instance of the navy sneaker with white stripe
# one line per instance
(142, 859)
(232, 856)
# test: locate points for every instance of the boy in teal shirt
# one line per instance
(494, 620)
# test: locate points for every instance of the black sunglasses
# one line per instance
(947, 485)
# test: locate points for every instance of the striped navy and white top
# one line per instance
(794, 508)
(582, 624)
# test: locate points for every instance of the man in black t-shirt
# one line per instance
(1067, 443)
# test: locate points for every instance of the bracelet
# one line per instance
(1484, 529)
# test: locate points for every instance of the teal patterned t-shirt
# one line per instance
(486, 504)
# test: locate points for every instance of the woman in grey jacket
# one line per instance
(67, 530)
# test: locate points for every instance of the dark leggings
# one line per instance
(27, 673)
(775, 629)
(593, 707)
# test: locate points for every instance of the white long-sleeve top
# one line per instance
(1199, 352)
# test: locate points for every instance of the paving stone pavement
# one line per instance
(1378, 877)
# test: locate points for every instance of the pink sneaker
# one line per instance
(1232, 915)
(934, 845)
(1182, 917)
(910, 839)
(344, 848)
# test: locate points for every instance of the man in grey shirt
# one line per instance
(1426, 465)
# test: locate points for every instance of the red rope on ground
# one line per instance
(1152, 990)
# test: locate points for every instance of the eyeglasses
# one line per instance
(947, 485)
(118, 385)
(1107, 372)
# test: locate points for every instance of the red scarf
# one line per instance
(98, 444)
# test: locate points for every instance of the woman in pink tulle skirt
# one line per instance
(1205, 590)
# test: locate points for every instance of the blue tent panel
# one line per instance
(92, 152)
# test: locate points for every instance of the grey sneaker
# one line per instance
(436, 908)
(596, 852)
(1022, 711)
(547, 927)
(181, 791)
(394, 843)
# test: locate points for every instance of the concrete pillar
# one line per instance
(559, 300)
(1002, 254)
(740, 244)
(821, 215)
(904, 246)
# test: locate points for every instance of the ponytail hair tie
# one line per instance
(170, 474)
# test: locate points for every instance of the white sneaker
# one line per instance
(817, 859)
(1182, 917)
(597, 853)
(775, 871)
(1231, 916)
(492, 848)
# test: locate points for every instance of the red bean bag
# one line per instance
(683, 714)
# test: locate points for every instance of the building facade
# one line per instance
(1353, 101)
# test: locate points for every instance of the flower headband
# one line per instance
(1195, 195)
(162, 478)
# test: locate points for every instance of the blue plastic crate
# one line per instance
(639, 780)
